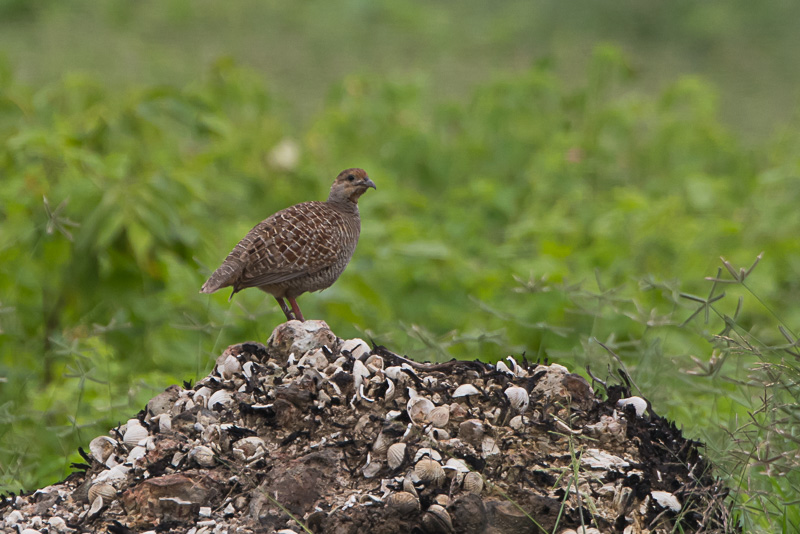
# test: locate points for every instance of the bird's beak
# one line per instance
(369, 183)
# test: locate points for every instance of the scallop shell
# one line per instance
(134, 433)
(102, 489)
(403, 502)
(465, 390)
(219, 398)
(429, 470)
(473, 482)
(374, 363)
(418, 408)
(203, 456)
(396, 454)
(102, 447)
(439, 416)
(518, 397)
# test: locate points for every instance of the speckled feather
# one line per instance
(299, 249)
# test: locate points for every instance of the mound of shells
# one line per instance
(329, 435)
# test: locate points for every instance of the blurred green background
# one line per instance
(549, 174)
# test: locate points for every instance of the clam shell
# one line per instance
(473, 482)
(395, 455)
(134, 433)
(403, 502)
(201, 395)
(418, 408)
(457, 465)
(360, 372)
(518, 397)
(102, 489)
(429, 470)
(102, 447)
(439, 416)
(136, 453)
(465, 390)
(229, 367)
(374, 363)
(219, 398)
(437, 520)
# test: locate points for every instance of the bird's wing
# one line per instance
(294, 242)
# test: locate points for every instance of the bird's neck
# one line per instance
(343, 205)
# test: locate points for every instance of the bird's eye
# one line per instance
(350, 177)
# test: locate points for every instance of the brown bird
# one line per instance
(300, 249)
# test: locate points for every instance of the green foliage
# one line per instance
(531, 217)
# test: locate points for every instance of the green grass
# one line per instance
(522, 205)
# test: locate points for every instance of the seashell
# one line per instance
(427, 451)
(356, 347)
(430, 382)
(219, 398)
(471, 431)
(638, 403)
(164, 422)
(518, 397)
(134, 433)
(503, 368)
(391, 415)
(371, 468)
(203, 456)
(118, 473)
(360, 372)
(438, 434)
(374, 363)
(102, 447)
(403, 502)
(408, 483)
(315, 359)
(382, 443)
(249, 448)
(429, 470)
(439, 416)
(443, 500)
(247, 369)
(396, 454)
(136, 453)
(516, 368)
(395, 372)
(666, 500)
(518, 422)
(201, 395)
(473, 482)
(489, 446)
(456, 465)
(104, 490)
(465, 390)
(390, 390)
(418, 408)
(230, 367)
(437, 521)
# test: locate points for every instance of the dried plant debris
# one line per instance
(318, 433)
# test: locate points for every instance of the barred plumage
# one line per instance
(300, 249)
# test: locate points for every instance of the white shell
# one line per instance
(404, 502)
(103, 489)
(219, 398)
(102, 447)
(667, 500)
(134, 433)
(638, 403)
(230, 367)
(427, 451)
(315, 359)
(436, 519)
(395, 455)
(203, 456)
(503, 368)
(390, 390)
(249, 448)
(518, 397)
(465, 390)
(457, 465)
(489, 446)
(418, 408)
(356, 347)
(518, 422)
(136, 453)
(374, 363)
(394, 372)
(429, 470)
(360, 372)
(439, 416)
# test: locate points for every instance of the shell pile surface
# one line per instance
(351, 439)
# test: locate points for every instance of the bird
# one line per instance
(303, 248)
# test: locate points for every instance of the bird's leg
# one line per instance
(296, 309)
(286, 311)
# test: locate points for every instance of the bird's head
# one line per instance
(350, 185)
